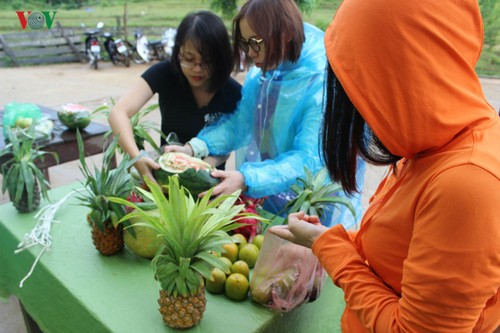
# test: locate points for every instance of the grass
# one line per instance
(168, 13)
(152, 13)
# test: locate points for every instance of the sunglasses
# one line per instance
(252, 42)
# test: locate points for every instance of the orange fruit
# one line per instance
(216, 284)
(228, 263)
(241, 267)
(236, 287)
(230, 251)
(261, 296)
(249, 253)
(258, 240)
(239, 239)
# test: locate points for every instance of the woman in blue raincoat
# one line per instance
(275, 129)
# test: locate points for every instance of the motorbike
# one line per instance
(146, 51)
(92, 45)
(117, 50)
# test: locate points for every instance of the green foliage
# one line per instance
(316, 194)
(226, 7)
(490, 10)
(169, 13)
(105, 182)
(191, 231)
(20, 173)
(141, 128)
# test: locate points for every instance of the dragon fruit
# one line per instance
(251, 226)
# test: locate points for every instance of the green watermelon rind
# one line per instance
(74, 120)
(194, 181)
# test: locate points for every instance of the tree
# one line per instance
(228, 7)
(490, 10)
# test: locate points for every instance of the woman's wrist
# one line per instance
(199, 147)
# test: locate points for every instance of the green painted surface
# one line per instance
(75, 289)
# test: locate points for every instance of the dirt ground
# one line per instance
(58, 84)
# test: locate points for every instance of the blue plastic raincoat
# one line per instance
(275, 129)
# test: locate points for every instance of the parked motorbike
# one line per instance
(146, 51)
(92, 46)
(117, 50)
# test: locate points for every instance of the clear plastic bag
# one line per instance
(286, 275)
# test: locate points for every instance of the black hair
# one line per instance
(346, 135)
(210, 37)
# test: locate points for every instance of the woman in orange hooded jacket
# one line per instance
(402, 91)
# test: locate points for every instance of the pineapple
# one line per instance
(21, 176)
(315, 195)
(107, 234)
(192, 231)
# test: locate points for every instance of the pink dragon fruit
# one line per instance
(252, 226)
(133, 197)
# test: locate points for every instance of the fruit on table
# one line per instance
(249, 253)
(74, 116)
(193, 173)
(236, 287)
(261, 296)
(240, 239)
(23, 122)
(231, 251)
(251, 226)
(227, 262)
(217, 283)
(258, 240)
(143, 241)
(241, 267)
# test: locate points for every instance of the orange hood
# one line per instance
(413, 79)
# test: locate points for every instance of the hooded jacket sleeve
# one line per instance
(451, 273)
(232, 131)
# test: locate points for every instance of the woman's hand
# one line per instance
(186, 149)
(302, 229)
(230, 182)
(145, 166)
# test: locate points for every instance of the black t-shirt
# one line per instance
(179, 111)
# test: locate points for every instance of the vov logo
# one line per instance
(36, 19)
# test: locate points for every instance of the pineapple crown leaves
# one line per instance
(20, 173)
(191, 230)
(140, 127)
(105, 182)
(315, 195)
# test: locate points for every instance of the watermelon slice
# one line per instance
(74, 116)
(193, 173)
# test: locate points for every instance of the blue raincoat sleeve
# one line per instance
(275, 129)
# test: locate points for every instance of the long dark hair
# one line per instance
(211, 39)
(346, 135)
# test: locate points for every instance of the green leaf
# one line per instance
(204, 269)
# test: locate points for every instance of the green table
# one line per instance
(75, 289)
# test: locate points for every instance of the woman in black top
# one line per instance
(194, 87)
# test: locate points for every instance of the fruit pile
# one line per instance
(239, 257)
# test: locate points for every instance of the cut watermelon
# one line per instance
(193, 173)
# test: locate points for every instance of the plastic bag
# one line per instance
(286, 275)
(15, 112)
